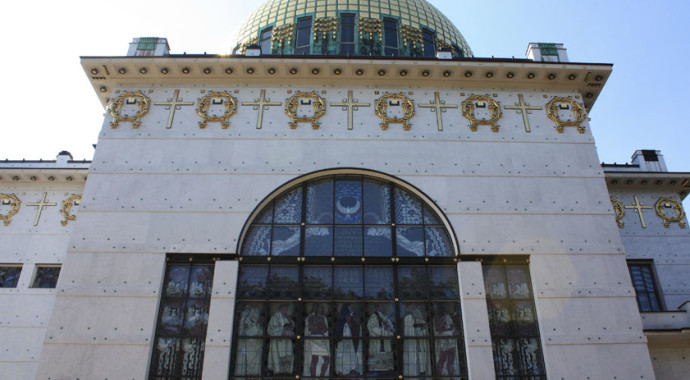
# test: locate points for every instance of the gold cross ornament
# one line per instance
(40, 205)
(173, 104)
(349, 105)
(638, 207)
(261, 104)
(437, 105)
(523, 108)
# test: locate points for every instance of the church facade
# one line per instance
(350, 194)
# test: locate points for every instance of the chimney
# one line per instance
(546, 52)
(649, 160)
(148, 47)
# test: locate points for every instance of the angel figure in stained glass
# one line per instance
(249, 350)
(280, 354)
(416, 351)
(316, 351)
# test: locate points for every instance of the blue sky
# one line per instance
(47, 104)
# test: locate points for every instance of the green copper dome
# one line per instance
(405, 28)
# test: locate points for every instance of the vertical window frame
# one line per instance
(656, 291)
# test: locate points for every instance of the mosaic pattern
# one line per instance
(411, 15)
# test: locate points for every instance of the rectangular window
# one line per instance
(46, 276)
(642, 277)
(513, 322)
(548, 49)
(429, 45)
(347, 34)
(390, 37)
(178, 351)
(9, 275)
(303, 36)
(265, 42)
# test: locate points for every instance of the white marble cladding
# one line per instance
(668, 247)
(154, 190)
(25, 311)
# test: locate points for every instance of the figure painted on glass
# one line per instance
(529, 356)
(317, 352)
(280, 355)
(249, 350)
(446, 348)
(348, 351)
(196, 318)
(380, 328)
(416, 358)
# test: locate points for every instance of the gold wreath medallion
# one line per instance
(115, 108)
(557, 103)
(662, 203)
(317, 102)
(66, 209)
(14, 203)
(229, 105)
(381, 109)
(494, 107)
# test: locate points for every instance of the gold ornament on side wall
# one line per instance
(557, 104)
(620, 212)
(305, 98)
(381, 108)
(66, 209)
(115, 108)
(229, 104)
(484, 101)
(13, 202)
(677, 208)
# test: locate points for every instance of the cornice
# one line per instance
(109, 73)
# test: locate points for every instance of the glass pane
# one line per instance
(412, 282)
(348, 241)
(499, 318)
(377, 241)
(348, 282)
(408, 210)
(417, 358)
(525, 320)
(378, 282)
(320, 202)
(165, 356)
(495, 282)
(201, 281)
(317, 282)
(192, 356)
(317, 347)
(318, 241)
(178, 281)
(286, 241)
(437, 242)
(518, 284)
(252, 283)
(380, 330)
(349, 347)
(171, 318)
(281, 325)
(529, 356)
(348, 201)
(289, 208)
(9, 276)
(252, 318)
(377, 203)
(249, 355)
(443, 283)
(410, 241)
(430, 217)
(504, 357)
(415, 319)
(447, 357)
(196, 318)
(447, 319)
(266, 216)
(283, 282)
(46, 277)
(258, 242)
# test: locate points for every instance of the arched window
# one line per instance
(348, 277)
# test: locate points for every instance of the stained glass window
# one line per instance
(9, 276)
(645, 286)
(348, 216)
(349, 321)
(513, 323)
(46, 276)
(348, 277)
(178, 351)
